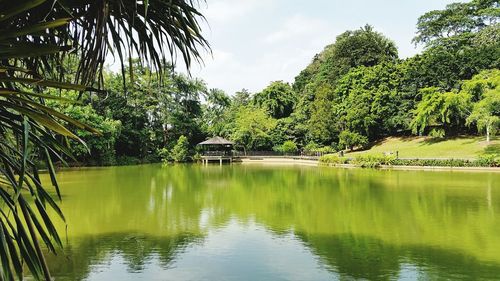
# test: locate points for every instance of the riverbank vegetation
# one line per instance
(353, 94)
(368, 160)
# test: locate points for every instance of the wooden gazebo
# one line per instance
(217, 149)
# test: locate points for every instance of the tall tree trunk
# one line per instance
(487, 133)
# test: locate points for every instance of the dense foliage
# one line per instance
(356, 91)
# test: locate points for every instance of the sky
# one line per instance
(255, 42)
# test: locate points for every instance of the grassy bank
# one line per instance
(423, 152)
(424, 147)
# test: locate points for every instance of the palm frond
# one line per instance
(156, 31)
(36, 37)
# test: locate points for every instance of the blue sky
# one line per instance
(258, 41)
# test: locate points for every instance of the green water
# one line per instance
(246, 222)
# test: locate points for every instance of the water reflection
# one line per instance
(278, 223)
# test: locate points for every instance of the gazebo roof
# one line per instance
(216, 141)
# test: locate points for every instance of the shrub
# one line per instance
(197, 157)
(488, 160)
(288, 147)
(180, 152)
(483, 161)
(326, 149)
(332, 159)
(373, 160)
(164, 154)
(350, 140)
(437, 133)
(312, 148)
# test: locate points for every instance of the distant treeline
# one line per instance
(355, 91)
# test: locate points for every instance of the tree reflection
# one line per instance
(362, 223)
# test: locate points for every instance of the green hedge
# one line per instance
(483, 161)
(373, 160)
(333, 159)
(376, 160)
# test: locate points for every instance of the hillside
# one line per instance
(424, 147)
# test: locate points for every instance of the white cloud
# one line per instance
(229, 10)
(258, 41)
(296, 27)
(276, 54)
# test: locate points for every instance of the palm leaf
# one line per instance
(35, 38)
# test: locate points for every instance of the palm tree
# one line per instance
(36, 38)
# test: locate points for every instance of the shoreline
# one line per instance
(303, 162)
(292, 161)
(278, 161)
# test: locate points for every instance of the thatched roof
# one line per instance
(216, 141)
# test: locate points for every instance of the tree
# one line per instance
(486, 114)
(485, 87)
(350, 140)
(241, 98)
(36, 36)
(214, 110)
(373, 101)
(278, 99)
(321, 123)
(456, 19)
(362, 47)
(444, 65)
(182, 110)
(154, 113)
(180, 152)
(460, 41)
(318, 104)
(252, 128)
(97, 151)
(446, 110)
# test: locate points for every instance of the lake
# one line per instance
(252, 222)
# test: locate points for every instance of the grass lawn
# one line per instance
(425, 147)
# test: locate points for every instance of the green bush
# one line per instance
(197, 157)
(373, 160)
(437, 133)
(288, 147)
(488, 160)
(326, 149)
(483, 161)
(315, 148)
(311, 147)
(180, 152)
(332, 159)
(164, 154)
(376, 160)
(350, 140)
